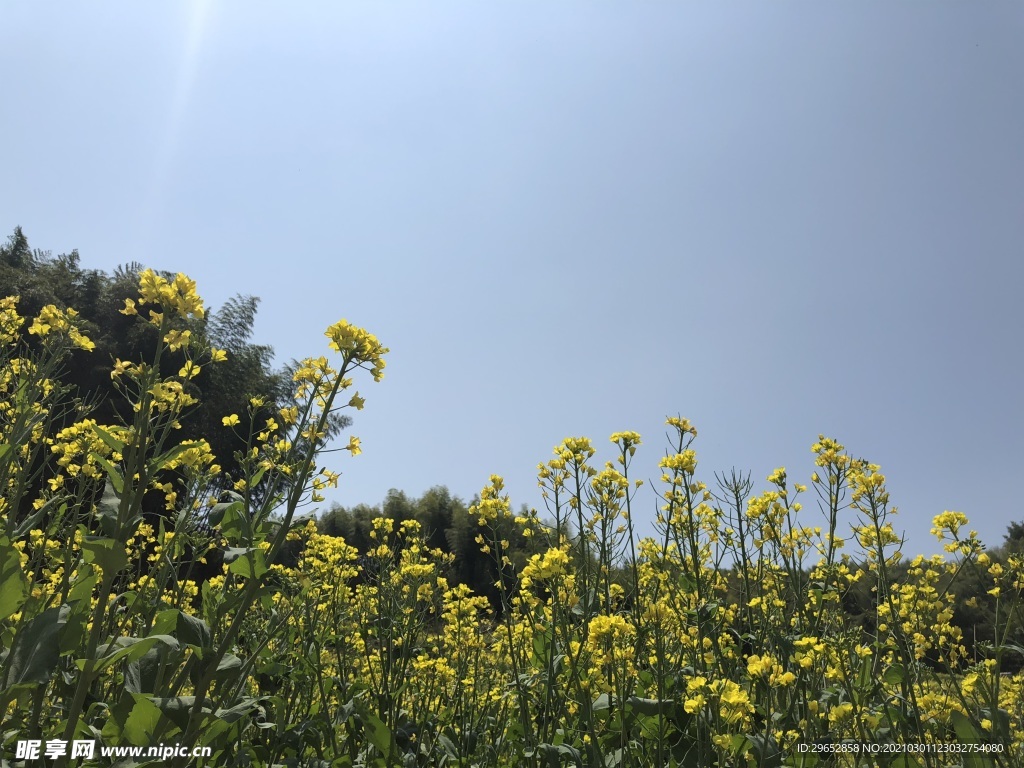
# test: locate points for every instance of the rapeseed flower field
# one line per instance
(721, 641)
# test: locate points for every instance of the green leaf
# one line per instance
(113, 473)
(866, 678)
(140, 725)
(448, 746)
(243, 708)
(803, 760)
(193, 631)
(166, 622)
(107, 509)
(230, 663)
(555, 752)
(72, 635)
(378, 734)
(112, 442)
(967, 733)
(108, 554)
(235, 524)
(177, 708)
(144, 674)
(133, 721)
(964, 728)
(159, 462)
(649, 706)
(35, 651)
(708, 611)
(740, 745)
(895, 674)
(82, 589)
(131, 648)
(255, 479)
(32, 521)
(13, 584)
(250, 563)
(1000, 724)
(219, 511)
(542, 648)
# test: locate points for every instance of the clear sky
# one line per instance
(573, 218)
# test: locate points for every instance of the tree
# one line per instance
(1013, 543)
(39, 279)
(446, 524)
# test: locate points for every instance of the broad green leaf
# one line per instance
(741, 745)
(73, 633)
(113, 474)
(13, 584)
(35, 650)
(141, 722)
(228, 665)
(152, 669)
(250, 563)
(866, 678)
(687, 583)
(555, 752)
(448, 746)
(964, 728)
(166, 622)
(107, 509)
(81, 590)
(1013, 648)
(967, 733)
(650, 725)
(649, 706)
(541, 648)
(112, 442)
(895, 674)
(108, 554)
(235, 524)
(133, 720)
(255, 479)
(178, 708)
(217, 514)
(243, 708)
(131, 648)
(802, 760)
(377, 733)
(193, 631)
(159, 462)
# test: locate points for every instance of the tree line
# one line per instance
(448, 525)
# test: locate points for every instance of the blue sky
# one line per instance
(776, 219)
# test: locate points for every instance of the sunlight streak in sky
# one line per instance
(196, 26)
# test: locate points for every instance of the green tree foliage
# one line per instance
(1014, 541)
(38, 278)
(446, 524)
